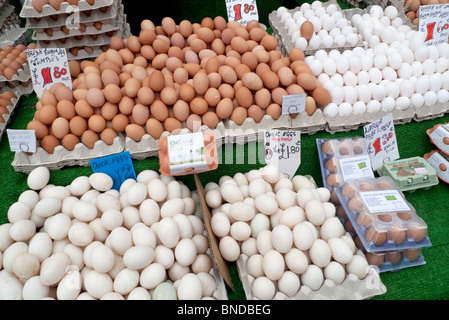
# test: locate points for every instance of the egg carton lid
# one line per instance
(29, 12)
(431, 112)
(61, 19)
(352, 288)
(352, 122)
(110, 26)
(80, 156)
(7, 116)
(22, 75)
(149, 147)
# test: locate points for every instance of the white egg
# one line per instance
(335, 271)
(375, 75)
(402, 103)
(152, 276)
(316, 66)
(126, 281)
(327, 41)
(373, 106)
(38, 178)
(331, 110)
(100, 181)
(301, 43)
(289, 283)
(302, 236)
(282, 238)
(263, 288)
(53, 268)
(345, 109)
(379, 92)
(445, 80)
(443, 96)
(430, 98)
(359, 108)
(388, 104)
(273, 264)
(329, 66)
(315, 42)
(417, 100)
(358, 266)
(313, 277)
(350, 94)
(229, 248)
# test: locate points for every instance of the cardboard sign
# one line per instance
(283, 149)
(242, 11)
(381, 141)
(434, 22)
(118, 166)
(295, 103)
(22, 140)
(47, 67)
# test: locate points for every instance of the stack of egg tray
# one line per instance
(10, 31)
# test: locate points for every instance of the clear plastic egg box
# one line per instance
(330, 151)
(84, 17)
(382, 230)
(395, 260)
(29, 12)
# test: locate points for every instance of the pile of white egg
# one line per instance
(330, 27)
(87, 241)
(287, 228)
(396, 70)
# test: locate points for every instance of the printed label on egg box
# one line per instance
(384, 201)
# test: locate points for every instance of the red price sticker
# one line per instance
(434, 22)
(242, 11)
(47, 67)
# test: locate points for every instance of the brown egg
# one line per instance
(244, 97)
(119, 122)
(60, 127)
(78, 125)
(375, 235)
(355, 203)
(210, 119)
(185, 28)
(212, 97)
(310, 106)
(132, 87)
(306, 30)
(109, 76)
(224, 108)
(96, 123)
(159, 110)
(227, 74)
(116, 43)
(412, 254)
(186, 92)
(89, 138)
(108, 135)
(48, 98)
(63, 93)
(200, 83)
(75, 69)
(417, 231)
(256, 113)
(375, 258)
(332, 165)
(49, 143)
(109, 111)
(48, 113)
(157, 81)
(364, 219)
(397, 234)
(135, 131)
(239, 115)
(126, 105)
(112, 93)
(277, 95)
(39, 4)
(274, 110)
(384, 184)
(252, 81)
(69, 141)
(41, 130)
(154, 128)
(181, 110)
(140, 114)
(226, 91)
(404, 215)
(394, 257)
(172, 124)
(84, 109)
(145, 96)
(321, 96)
(169, 96)
(269, 42)
(270, 79)
(198, 106)
(306, 81)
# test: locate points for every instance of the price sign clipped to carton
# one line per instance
(434, 22)
(295, 103)
(118, 166)
(242, 11)
(47, 67)
(22, 140)
(381, 141)
(184, 154)
(283, 149)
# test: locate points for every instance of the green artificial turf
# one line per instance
(427, 282)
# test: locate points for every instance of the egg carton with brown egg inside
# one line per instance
(355, 121)
(18, 87)
(148, 146)
(381, 216)
(427, 112)
(28, 11)
(101, 14)
(22, 75)
(7, 116)
(352, 288)
(91, 28)
(61, 157)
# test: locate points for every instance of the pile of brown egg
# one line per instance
(176, 76)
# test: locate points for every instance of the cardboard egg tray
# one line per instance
(22, 75)
(6, 11)
(284, 39)
(431, 112)
(22, 88)
(378, 225)
(352, 288)
(15, 35)
(84, 16)
(29, 12)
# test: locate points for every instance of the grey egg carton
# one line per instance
(22, 75)
(86, 40)
(286, 44)
(353, 122)
(17, 87)
(29, 12)
(6, 11)
(431, 112)
(61, 19)
(15, 35)
(352, 288)
(7, 116)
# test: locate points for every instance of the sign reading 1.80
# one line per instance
(47, 67)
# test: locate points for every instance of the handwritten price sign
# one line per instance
(242, 11)
(434, 22)
(283, 149)
(380, 137)
(48, 66)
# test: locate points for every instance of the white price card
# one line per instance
(384, 201)
(22, 140)
(47, 67)
(283, 149)
(295, 103)
(242, 11)
(356, 167)
(380, 138)
(434, 22)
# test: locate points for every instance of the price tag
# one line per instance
(356, 167)
(381, 141)
(22, 140)
(242, 11)
(295, 103)
(384, 201)
(434, 22)
(118, 166)
(48, 66)
(283, 149)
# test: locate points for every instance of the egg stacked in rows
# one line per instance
(396, 71)
(13, 60)
(187, 75)
(88, 241)
(287, 228)
(6, 98)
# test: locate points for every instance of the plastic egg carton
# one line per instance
(85, 17)
(149, 147)
(389, 222)
(440, 162)
(61, 157)
(352, 288)
(29, 12)
(353, 122)
(396, 260)
(286, 44)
